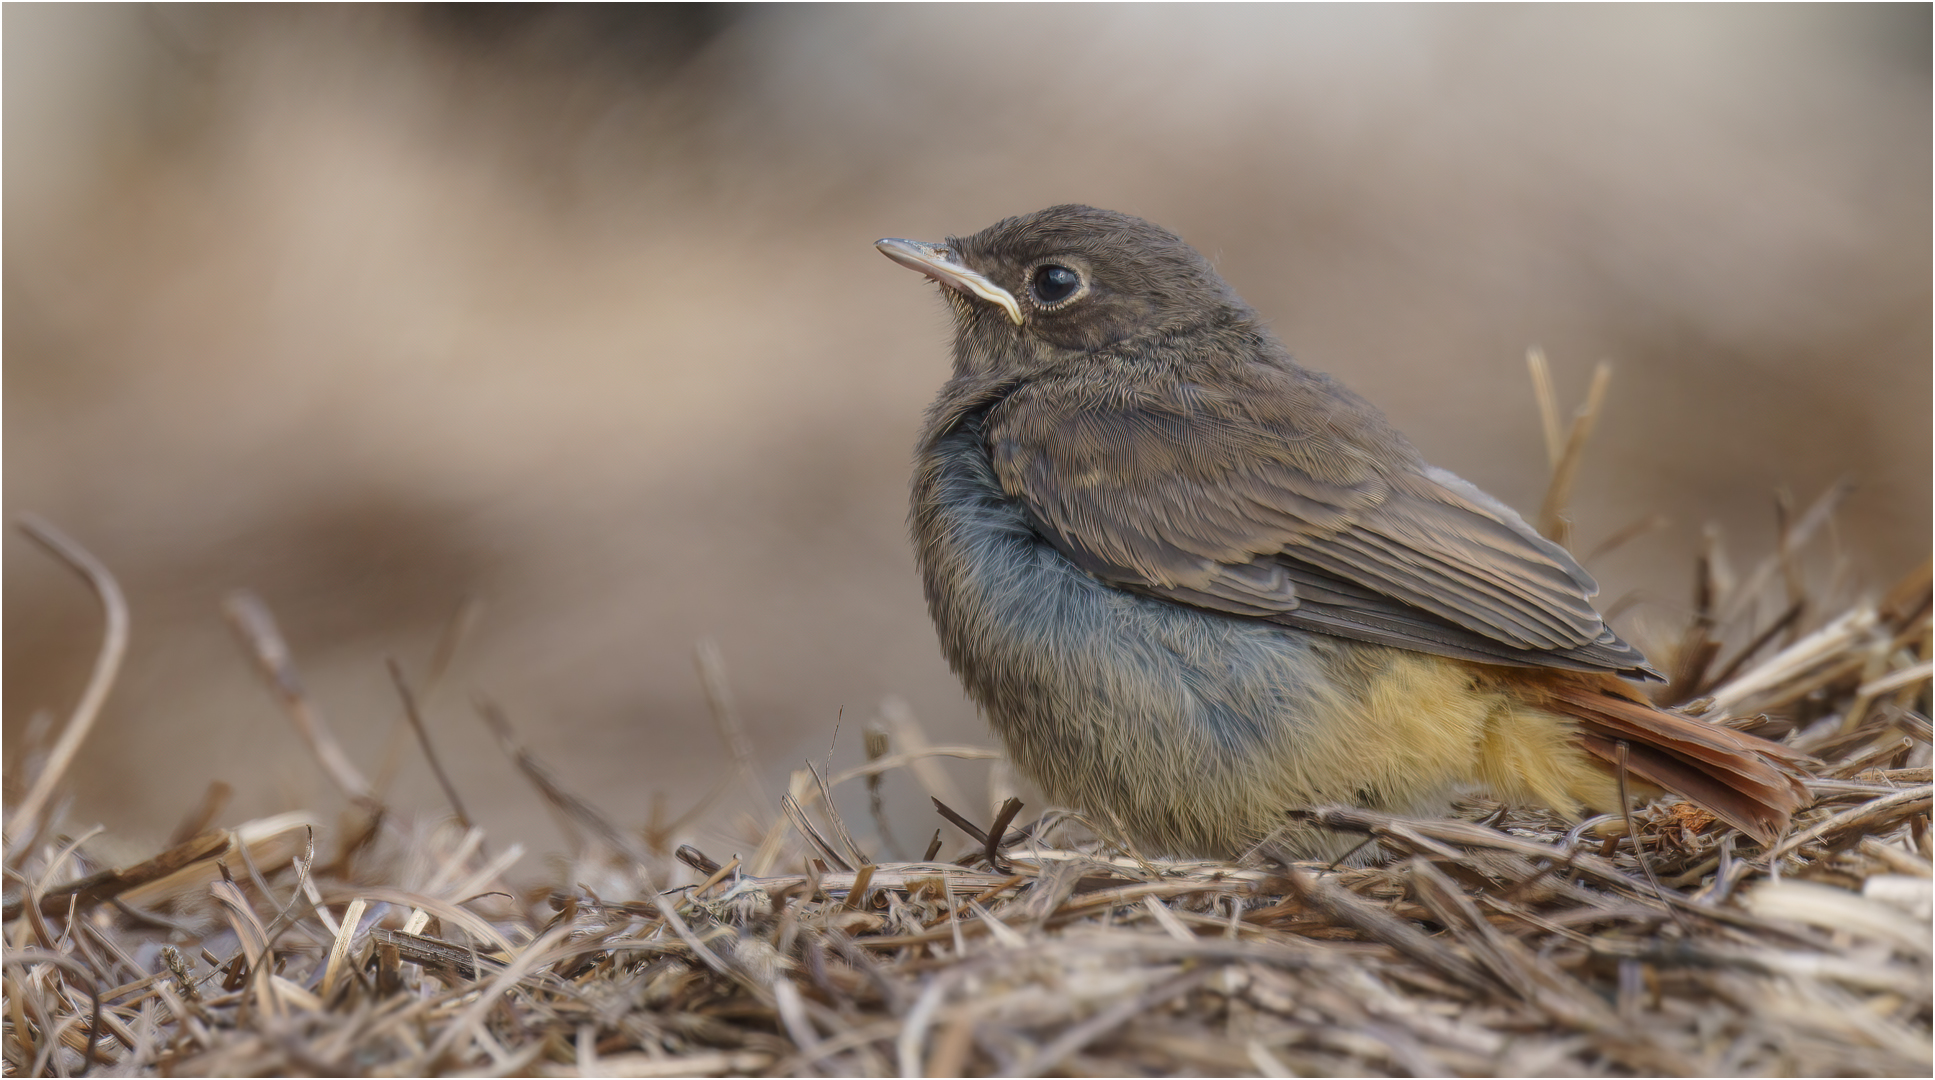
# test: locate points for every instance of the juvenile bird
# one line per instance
(1196, 586)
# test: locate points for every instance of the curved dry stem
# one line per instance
(107, 665)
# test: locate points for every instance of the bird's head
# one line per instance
(1035, 290)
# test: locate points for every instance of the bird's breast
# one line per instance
(1071, 668)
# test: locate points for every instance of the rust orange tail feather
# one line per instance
(1748, 782)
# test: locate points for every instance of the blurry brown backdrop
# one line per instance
(575, 310)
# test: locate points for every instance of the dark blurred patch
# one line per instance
(641, 41)
(353, 562)
(337, 569)
(41, 367)
(1901, 34)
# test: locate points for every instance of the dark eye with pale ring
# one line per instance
(1053, 284)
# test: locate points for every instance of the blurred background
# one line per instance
(574, 310)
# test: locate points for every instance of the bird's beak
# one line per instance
(937, 262)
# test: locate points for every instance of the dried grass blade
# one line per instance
(1804, 529)
(1651, 523)
(855, 857)
(878, 743)
(415, 716)
(256, 628)
(338, 962)
(807, 831)
(1007, 935)
(1788, 618)
(916, 748)
(1898, 806)
(792, 1014)
(107, 884)
(1896, 680)
(1548, 401)
(254, 938)
(1839, 910)
(725, 717)
(24, 822)
(1167, 919)
(488, 874)
(1827, 645)
(1558, 494)
(214, 799)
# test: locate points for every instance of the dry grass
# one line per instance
(1503, 942)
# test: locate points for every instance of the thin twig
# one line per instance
(878, 744)
(955, 819)
(256, 628)
(1558, 494)
(852, 846)
(415, 716)
(1784, 550)
(797, 815)
(914, 744)
(457, 631)
(1626, 809)
(1648, 524)
(1002, 819)
(725, 717)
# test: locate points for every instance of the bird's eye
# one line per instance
(1053, 284)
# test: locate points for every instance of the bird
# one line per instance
(1198, 589)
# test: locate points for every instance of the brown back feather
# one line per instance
(1218, 481)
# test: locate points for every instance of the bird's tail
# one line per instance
(1748, 782)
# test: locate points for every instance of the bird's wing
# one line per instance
(1331, 523)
